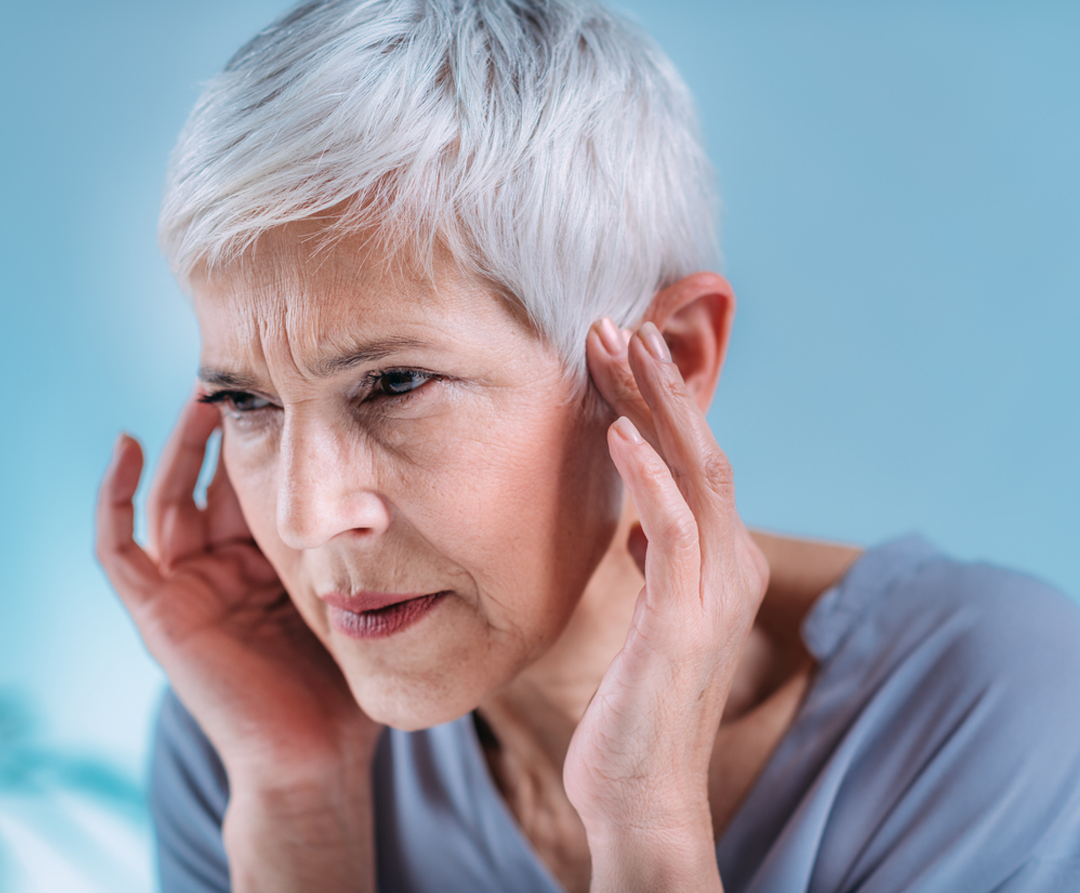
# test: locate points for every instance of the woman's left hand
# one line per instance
(637, 767)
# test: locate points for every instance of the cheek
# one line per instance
(252, 473)
(584, 512)
(527, 512)
(535, 505)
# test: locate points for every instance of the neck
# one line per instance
(537, 712)
(548, 699)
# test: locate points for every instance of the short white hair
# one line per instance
(548, 144)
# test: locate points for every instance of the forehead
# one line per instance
(295, 293)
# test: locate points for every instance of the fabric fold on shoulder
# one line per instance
(838, 611)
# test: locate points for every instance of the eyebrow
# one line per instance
(325, 367)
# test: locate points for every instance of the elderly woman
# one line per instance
(469, 606)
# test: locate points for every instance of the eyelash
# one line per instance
(370, 382)
(229, 400)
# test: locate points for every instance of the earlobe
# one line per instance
(695, 315)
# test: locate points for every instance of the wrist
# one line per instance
(303, 772)
(309, 837)
(673, 860)
(656, 805)
(668, 852)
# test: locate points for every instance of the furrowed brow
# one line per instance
(222, 379)
(325, 367)
(368, 353)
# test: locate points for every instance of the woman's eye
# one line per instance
(237, 403)
(398, 382)
(247, 403)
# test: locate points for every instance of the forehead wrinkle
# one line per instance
(298, 301)
(372, 352)
(299, 304)
(326, 333)
(336, 335)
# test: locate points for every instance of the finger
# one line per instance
(129, 568)
(733, 564)
(673, 559)
(224, 519)
(175, 523)
(605, 351)
(686, 442)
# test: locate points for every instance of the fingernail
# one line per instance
(626, 430)
(654, 342)
(609, 335)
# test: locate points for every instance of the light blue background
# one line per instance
(901, 222)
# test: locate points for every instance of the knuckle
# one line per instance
(155, 502)
(673, 388)
(109, 553)
(716, 469)
(656, 475)
(681, 477)
(627, 387)
(680, 532)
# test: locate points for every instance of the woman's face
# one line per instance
(413, 462)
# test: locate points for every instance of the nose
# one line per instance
(325, 486)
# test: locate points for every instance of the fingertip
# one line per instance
(198, 417)
(196, 405)
(653, 341)
(119, 446)
(602, 366)
(627, 431)
(610, 336)
(126, 466)
(593, 342)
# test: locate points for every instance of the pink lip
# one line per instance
(370, 615)
(369, 601)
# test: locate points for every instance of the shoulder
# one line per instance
(957, 689)
(993, 634)
(907, 607)
(954, 647)
(992, 662)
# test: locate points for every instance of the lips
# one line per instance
(371, 615)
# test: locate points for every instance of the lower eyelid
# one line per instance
(250, 421)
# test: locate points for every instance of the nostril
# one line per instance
(366, 512)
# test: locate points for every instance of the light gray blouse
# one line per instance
(937, 749)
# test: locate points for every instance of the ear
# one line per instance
(695, 316)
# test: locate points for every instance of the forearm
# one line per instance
(295, 842)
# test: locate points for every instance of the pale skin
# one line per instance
(636, 659)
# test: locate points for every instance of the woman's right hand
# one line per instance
(211, 610)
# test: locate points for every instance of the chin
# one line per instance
(411, 706)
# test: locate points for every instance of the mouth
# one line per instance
(376, 615)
